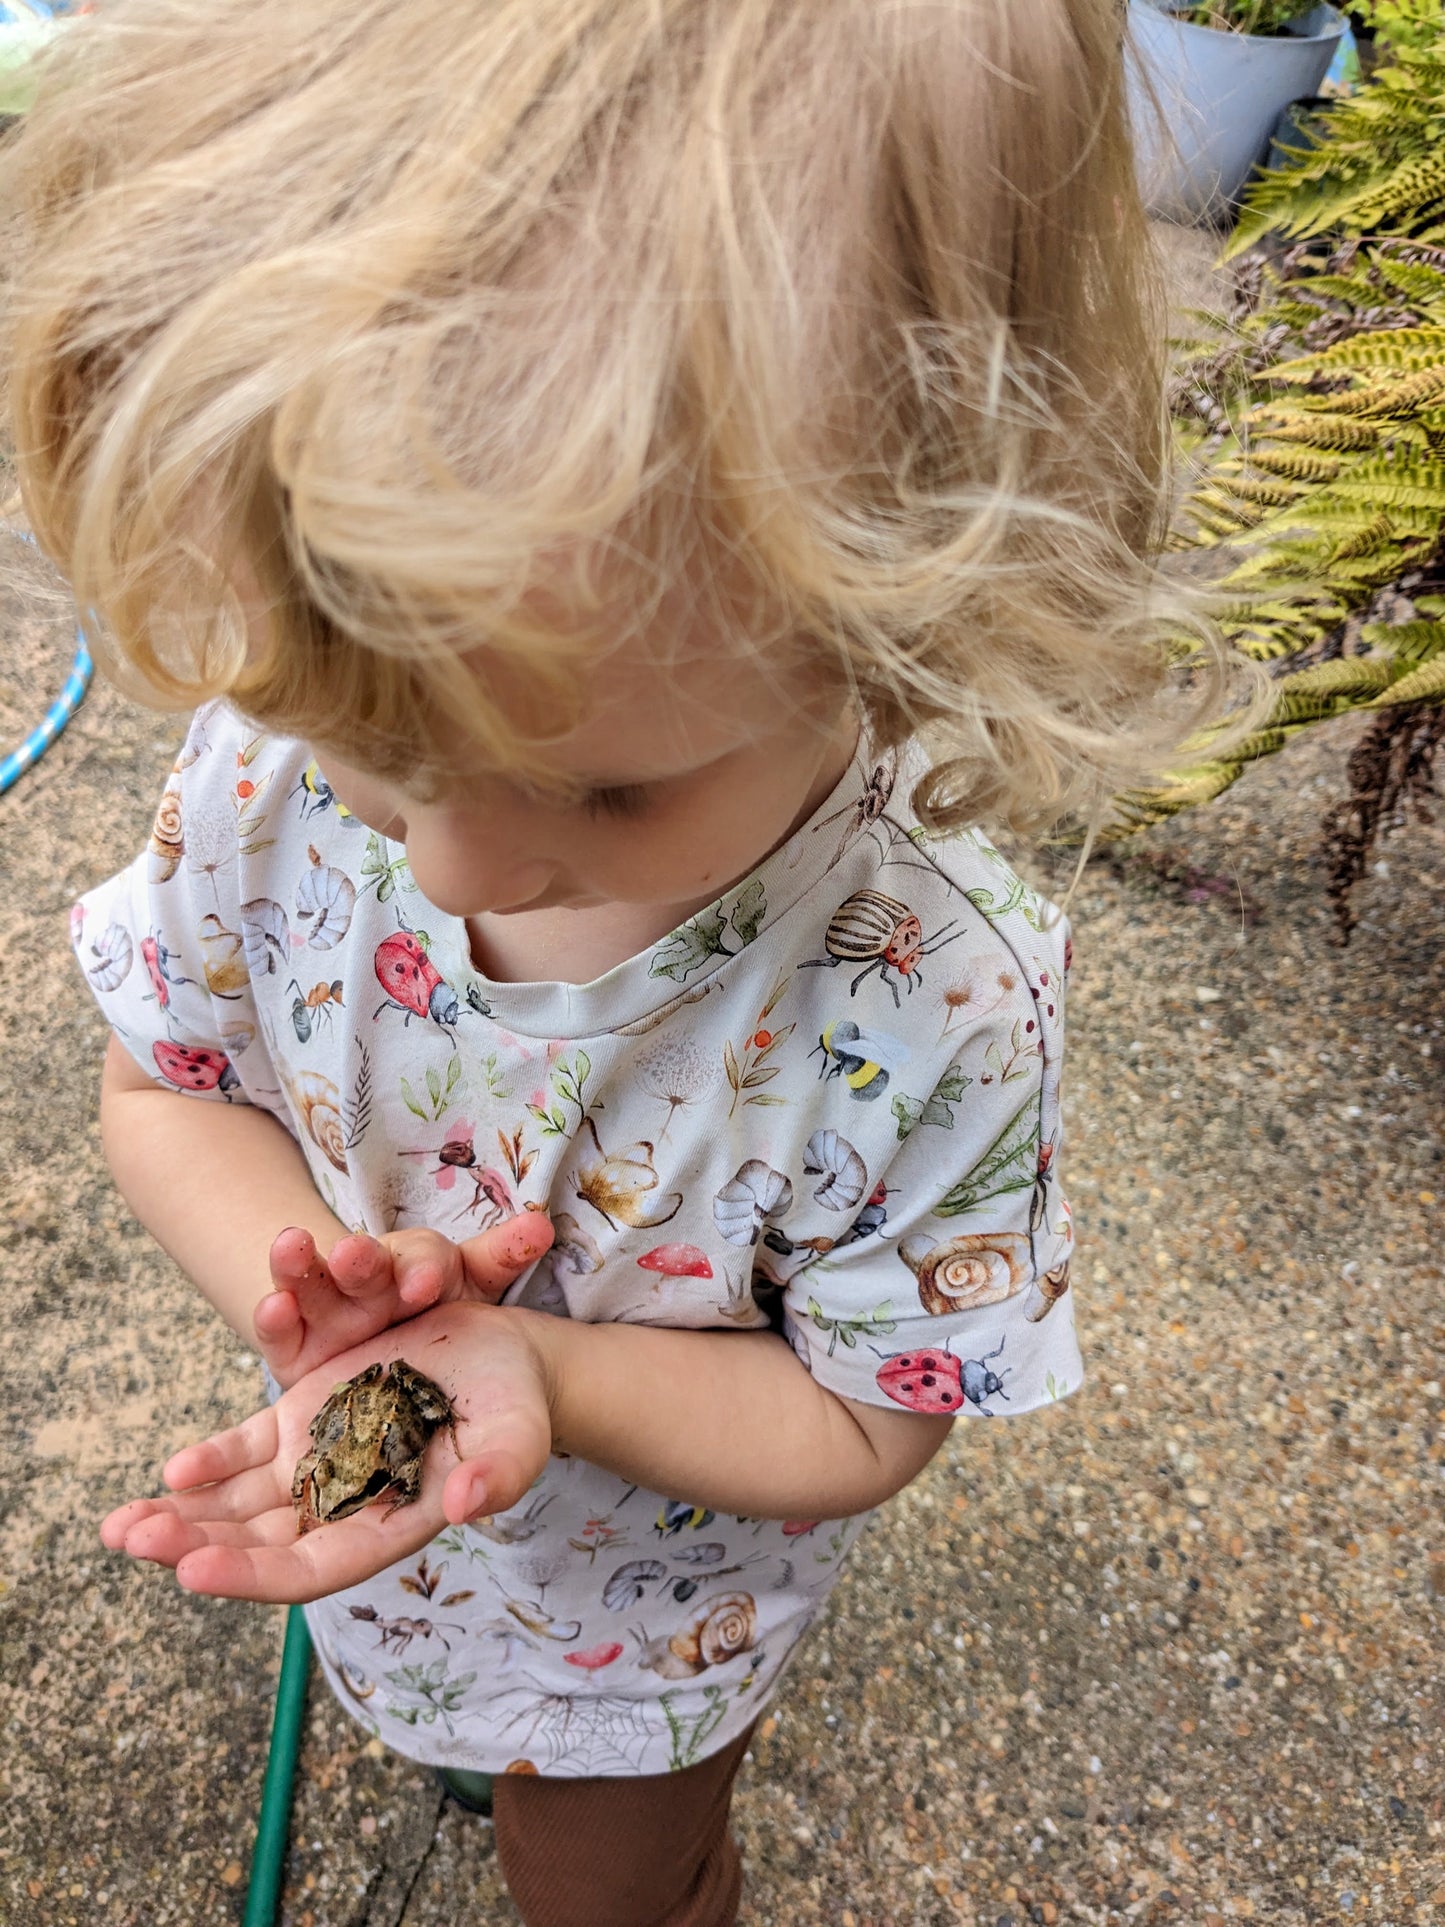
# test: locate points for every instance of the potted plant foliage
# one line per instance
(1208, 83)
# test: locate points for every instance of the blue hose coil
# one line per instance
(56, 717)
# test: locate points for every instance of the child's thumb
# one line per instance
(495, 1258)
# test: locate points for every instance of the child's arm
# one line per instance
(213, 1182)
(730, 1420)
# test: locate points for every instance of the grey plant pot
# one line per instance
(1204, 103)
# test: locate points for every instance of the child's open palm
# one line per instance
(319, 1306)
(230, 1525)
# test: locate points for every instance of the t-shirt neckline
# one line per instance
(671, 969)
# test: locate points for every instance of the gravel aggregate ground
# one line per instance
(1170, 1652)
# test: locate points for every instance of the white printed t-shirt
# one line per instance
(828, 1102)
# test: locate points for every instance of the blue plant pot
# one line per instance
(1204, 103)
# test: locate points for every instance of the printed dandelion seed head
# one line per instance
(678, 1070)
(210, 841)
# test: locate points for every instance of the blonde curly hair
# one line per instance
(842, 318)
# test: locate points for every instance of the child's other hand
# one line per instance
(231, 1527)
(319, 1306)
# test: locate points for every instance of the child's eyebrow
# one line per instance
(577, 783)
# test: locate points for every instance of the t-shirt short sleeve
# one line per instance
(160, 946)
(949, 1291)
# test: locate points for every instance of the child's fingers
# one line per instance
(276, 1315)
(494, 1258)
(428, 1268)
(360, 1265)
(247, 1447)
(279, 1330)
(115, 1525)
(295, 1260)
(246, 1496)
(166, 1537)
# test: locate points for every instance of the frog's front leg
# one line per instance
(406, 1486)
(303, 1494)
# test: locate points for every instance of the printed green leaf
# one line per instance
(1009, 1164)
(760, 1075)
(410, 1101)
(433, 1084)
(749, 910)
(690, 946)
(385, 887)
(730, 1065)
(765, 1097)
(454, 1071)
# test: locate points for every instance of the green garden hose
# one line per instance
(268, 1857)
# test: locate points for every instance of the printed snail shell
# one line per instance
(319, 1102)
(166, 846)
(964, 1273)
(1045, 1292)
(728, 1627)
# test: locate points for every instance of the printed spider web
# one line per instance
(609, 1734)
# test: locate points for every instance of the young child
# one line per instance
(626, 486)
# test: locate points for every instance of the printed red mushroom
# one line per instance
(677, 1261)
(591, 1661)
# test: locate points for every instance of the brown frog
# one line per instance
(368, 1440)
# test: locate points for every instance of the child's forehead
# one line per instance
(646, 712)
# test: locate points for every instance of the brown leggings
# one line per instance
(654, 1851)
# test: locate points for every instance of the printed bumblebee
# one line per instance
(317, 795)
(883, 935)
(863, 1058)
(677, 1515)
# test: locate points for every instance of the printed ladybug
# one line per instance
(414, 984)
(191, 1068)
(157, 961)
(936, 1381)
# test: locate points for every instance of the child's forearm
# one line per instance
(730, 1420)
(212, 1183)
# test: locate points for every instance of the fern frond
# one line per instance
(1411, 643)
(1423, 685)
(1410, 350)
(1327, 431)
(1295, 464)
(1318, 437)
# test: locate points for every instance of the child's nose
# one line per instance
(467, 875)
